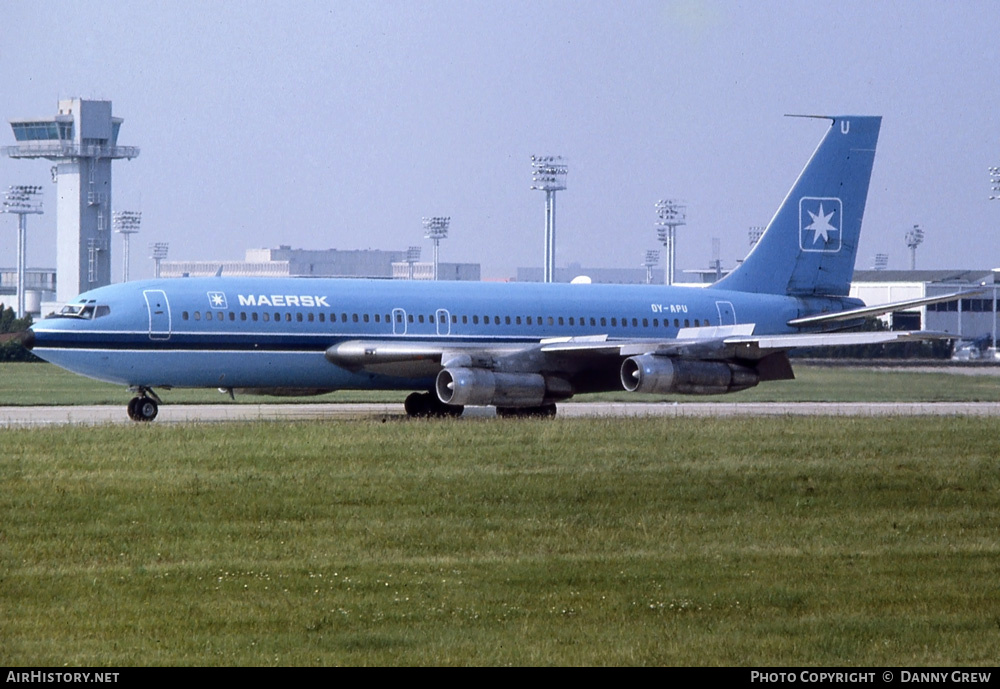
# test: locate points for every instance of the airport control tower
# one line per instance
(83, 140)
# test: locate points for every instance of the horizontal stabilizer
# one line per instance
(879, 309)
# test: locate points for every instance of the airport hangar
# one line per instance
(968, 319)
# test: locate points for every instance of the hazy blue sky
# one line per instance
(341, 124)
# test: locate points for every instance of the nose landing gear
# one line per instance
(144, 406)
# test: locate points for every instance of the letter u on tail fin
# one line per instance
(810, 245)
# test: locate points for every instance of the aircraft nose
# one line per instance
(28, 339)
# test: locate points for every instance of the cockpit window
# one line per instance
(86, 311)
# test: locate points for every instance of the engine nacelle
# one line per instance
(661, 375)
(480, 387)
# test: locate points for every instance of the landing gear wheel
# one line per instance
(423, 405)
(142, 409)
(416, 405)
(543, 411)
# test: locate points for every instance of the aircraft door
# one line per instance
(398, 322)
(443, 319)
(727, 314)
(159, 314)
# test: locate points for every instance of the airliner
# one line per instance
(520, 347)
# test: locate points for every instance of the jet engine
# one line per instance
(660, 375)
(481, 387)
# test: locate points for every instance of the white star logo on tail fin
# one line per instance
(820, 224)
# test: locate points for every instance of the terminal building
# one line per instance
(40, 284)
(693, 277)
(600, 276)
(285, 261)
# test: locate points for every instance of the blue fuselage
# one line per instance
(272, 333)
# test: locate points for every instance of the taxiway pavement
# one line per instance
(214, 413)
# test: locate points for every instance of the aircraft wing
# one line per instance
(415, 359)
(571, 355)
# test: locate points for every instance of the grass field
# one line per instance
(816, 541)
(45, 384)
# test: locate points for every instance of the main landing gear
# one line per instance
(543, 411)
(426, 405)
(144, 406)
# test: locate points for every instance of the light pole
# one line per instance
(754, 234)
(159, 252)
(914, 238)
(881, 261)
(995, 196)
(717, 257)
(671, 214)
(548, 174)
(21, 200)
(652, 258)
(436, 229)
(126, 224)
(412, 256)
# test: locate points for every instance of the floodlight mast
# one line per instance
(881, 261)
(717, 257)
(995, 183)
(412, 256)
(159, 252)
(652, 258)
(21, 200)
(914, 238)
(436, 229)
(671, 214)
(754, 234)
(548, 174)
(126, 224)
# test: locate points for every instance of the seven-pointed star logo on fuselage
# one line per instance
(821, 225)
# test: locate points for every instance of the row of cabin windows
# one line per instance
(312, 317)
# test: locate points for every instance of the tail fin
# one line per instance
(810, 245)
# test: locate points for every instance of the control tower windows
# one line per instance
(42, 131)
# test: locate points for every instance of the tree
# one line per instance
(10, 348)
